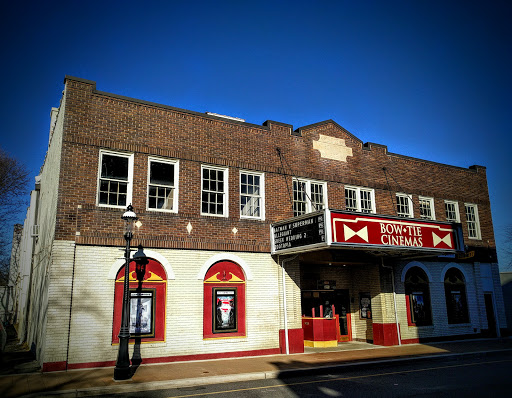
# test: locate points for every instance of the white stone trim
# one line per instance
(416, 264)
(114, 269)
(223, 257)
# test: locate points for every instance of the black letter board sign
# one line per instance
(298, 232)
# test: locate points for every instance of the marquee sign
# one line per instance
(302, 232)
(342, 229)
(350, 229)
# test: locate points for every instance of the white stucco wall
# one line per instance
(93, 304)
(440, 325)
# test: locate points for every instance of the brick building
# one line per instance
(226, 209)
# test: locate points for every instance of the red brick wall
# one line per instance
(96, 120)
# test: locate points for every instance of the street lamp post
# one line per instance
(122, 370)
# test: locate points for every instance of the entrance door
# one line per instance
(489, 309)
(342, 306)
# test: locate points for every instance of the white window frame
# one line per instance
(129, 183)
(408, 198)
(476, 221)
(175, 195)
(431, 204)
(261, 195)
(307, 183)
(456, 209)
(358, 191)
(225, 172)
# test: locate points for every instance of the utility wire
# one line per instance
(389, 190)
(284, 175)
(399, 186)
(281, 158)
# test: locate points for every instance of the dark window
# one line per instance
(113, 185)
(161, 191)
(455, 292)
(418, 295)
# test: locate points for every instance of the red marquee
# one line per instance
(350, 229)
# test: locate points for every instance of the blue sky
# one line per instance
(429, 79)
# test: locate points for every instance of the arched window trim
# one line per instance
(453, 265)
(150, 294)
(225, 257)
(116, 266)
(415, 264)
(223, 282)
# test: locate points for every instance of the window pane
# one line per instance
(299, 198)
(161, 173)
(402, 206)
(350, 199)
(103, 198)
(112, 200)
(317, 197)
(114, 167)
(426, 209)
(122, 200)
(451, 212)
(366, 201)
(250, 195)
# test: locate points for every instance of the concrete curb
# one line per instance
(286, 373)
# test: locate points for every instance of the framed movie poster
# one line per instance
(418, 306)
(365, 306)
(142, 309)
(225, 310)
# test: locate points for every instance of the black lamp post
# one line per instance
(122, 370)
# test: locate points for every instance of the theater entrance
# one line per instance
(329, 303)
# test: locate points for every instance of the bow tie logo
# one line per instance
(349, 233)
(445, 240)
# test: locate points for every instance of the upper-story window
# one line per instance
(163, 185)
(452, 211)
(404, 205)
(214, 191)
(359, 199)
(427, 208)
(308, 196)
(252, 195)
(115, 179)
(472, 221)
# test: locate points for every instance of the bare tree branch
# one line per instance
(13, 200)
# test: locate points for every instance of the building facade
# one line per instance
(209, 192)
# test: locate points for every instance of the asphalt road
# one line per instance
(485, 376)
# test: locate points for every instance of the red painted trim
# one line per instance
(410, 341)
(153, 268)
(295, 341)
(177, 358)
(219, 276)
(385, 334)
(87, 365)
(54, 366)
(408, 308)
(349, 326)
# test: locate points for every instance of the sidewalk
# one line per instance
(99, 381)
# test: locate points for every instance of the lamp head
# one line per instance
(129, 217)
(141, 261)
